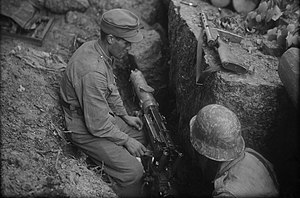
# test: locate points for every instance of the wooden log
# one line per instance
(244, 6)
(288, 70)
(220, 3)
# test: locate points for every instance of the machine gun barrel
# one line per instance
(211, 41)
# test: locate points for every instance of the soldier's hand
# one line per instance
(135, 148)
(133, 121)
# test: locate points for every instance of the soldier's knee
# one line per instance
(134, 174)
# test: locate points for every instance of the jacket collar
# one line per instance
(103, 55)
(227, 165)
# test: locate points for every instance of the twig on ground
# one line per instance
(43, 152)
(99, 169)
(57, 157)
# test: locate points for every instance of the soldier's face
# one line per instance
(120, 47)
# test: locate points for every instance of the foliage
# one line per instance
(285, 36)
(271, 18)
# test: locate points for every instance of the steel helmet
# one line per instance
(215, 132)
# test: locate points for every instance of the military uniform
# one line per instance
(215, 133)
(89, 87)
(93, 108)
(250, 175)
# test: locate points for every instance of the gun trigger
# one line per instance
(146, 88)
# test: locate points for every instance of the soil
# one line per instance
(37, 159)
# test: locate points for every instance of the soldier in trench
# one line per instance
(94, 111)
(232, 169)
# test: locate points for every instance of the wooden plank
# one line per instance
(49, 24)
(32, 39)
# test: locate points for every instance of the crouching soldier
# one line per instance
(215, 133)
(94, 109)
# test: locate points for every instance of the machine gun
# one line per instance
(229, 60)
(161, 163)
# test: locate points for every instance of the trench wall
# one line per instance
(260, 101)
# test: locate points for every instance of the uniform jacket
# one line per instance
(251, 175)
(88, 84)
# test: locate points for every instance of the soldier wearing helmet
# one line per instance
(215, 133)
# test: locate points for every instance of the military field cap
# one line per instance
(121, 23)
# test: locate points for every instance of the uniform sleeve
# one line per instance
(221, 194)
(115, 102)
(96, 110)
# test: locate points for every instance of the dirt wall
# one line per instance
(258, 97)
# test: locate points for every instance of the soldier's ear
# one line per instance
(110, 39)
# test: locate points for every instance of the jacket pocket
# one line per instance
(111, 88)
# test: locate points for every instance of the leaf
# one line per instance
(295, 40)
(272, 34)
(284, 32)
(272, 31)
(289, 39)
(291, 27)
(248, 18)
(281, 40)
(252, 14)
(263, 6)
(277, 13)
(278, 34)
(263, 15)
(258, 18)
(270, 4)
(269, 15)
